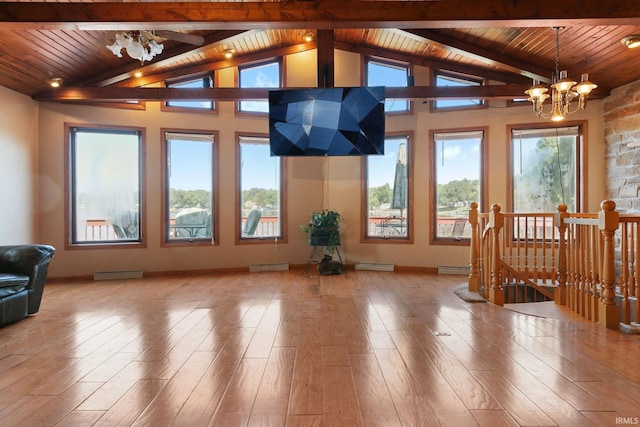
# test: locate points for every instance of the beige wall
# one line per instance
(18, 168)
(307, 190)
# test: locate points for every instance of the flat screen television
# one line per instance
(345, 121)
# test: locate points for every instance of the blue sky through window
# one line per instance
(382, 74)
(457, 159)
(443, 80)
(196, 83)
(264, 75)
(190, 165)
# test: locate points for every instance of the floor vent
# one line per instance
(374, 266)
(115, 275)
(281, 266)
(452, 269)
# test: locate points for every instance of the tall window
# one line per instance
(458, 157)
(261, 188)
(545, 166)
(189, 191)
(198, 82)
(443, 79)
(264, 75)
(105, 183)
(381, 73)
(388, 190)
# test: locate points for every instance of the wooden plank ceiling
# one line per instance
(510, 42)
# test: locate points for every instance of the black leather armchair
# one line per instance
(23, 271)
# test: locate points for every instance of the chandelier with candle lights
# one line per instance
(563, 91)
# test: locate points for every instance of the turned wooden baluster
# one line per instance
(608, 219)
(496, 223)
(635, 289)
(625, 279)
(473, 248)
(560, 294)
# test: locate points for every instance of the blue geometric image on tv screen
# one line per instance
(327, 122)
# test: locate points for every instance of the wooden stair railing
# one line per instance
(511, 255)
(630, 268)
(574, 253)
(590, 263)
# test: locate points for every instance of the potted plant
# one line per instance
(323, 229)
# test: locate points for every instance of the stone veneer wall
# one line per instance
(621, 128)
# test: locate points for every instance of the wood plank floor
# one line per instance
(281, 349)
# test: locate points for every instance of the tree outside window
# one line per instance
(458, 157)
(189, 214)
(388, 191)
(545, 165)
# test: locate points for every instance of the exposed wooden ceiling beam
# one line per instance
(488, 57)
(326, 59)
(321, 14)
(123, 94)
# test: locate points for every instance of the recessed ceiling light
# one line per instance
(631, 41)
(137, 74)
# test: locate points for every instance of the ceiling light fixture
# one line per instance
(139, 45)
(308, 37)
(55, 82)
(563, 91)
(228, 53)
(631, 41)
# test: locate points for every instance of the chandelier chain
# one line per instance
(557, 76)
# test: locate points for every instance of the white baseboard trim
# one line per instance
(374, 266)
(115, 275)
(452, 269)
(279, 266)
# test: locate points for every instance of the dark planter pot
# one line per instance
(322, 238)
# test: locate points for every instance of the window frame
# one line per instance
(581, 159)
(214, 240)
(391, 64)
(69, 189)
(434, 239)
(433, 106)
(281, 63)
(242, 240)
(164, 106)
(364, 191)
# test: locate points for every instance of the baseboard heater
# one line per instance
(374, 266)
(115, 275)
(279, 266)
(452, 269)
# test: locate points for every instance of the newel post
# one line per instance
(496, 223)
(473, 284)
(608, 221)
(560, 294)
